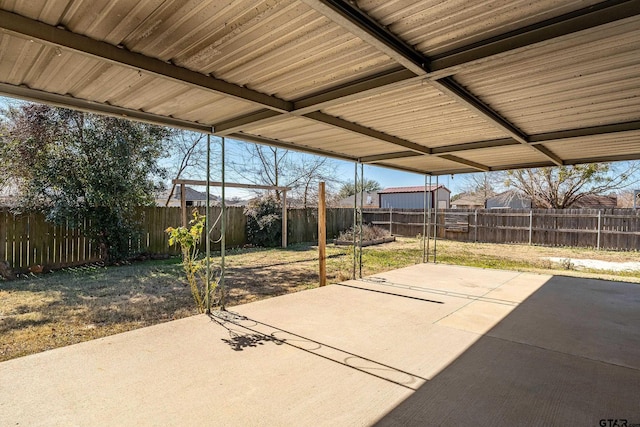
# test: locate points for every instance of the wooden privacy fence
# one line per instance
(28, 240)
(616, 229)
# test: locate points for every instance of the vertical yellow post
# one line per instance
(183, 204)
(322, 235)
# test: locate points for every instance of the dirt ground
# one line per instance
(40, 312)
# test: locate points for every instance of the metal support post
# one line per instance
(361, 208)
(424, 221)
(223, 232)
(322, 235)
(429, 218)
(355, 215)
(435, 222)
(207, 232)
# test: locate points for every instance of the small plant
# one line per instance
(567, 264)
(195, 269)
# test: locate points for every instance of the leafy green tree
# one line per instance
(562, 187)
(81, 168)
(348, 189)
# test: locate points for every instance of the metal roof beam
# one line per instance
(256, 139)
(389, 156)
(579, 20)
(449, 86)
(365, 131)
(580, 132)
(445, 64)
(353, 90)
(65, 101)
(35, 30)
(237, 124)
(360, 24)
(474, 165)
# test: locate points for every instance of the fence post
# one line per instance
(391, 220)
(530, 226)
(475, 224)
(599, 226)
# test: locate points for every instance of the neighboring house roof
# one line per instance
(594, 201)
(370, 200)
(416, 189)
(191, 195)
(510, 199)
(468, 200)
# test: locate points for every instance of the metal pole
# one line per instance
(429, 218)
(530, 226)
(424, 220)
(599, 226)
(435, 222)
(361, 208)
(207, 299)
(223, 232)
(322, 235)
(355, 215)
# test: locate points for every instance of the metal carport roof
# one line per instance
(427, 86)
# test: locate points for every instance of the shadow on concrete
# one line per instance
(254, 333)
(568, 355)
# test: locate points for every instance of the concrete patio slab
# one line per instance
(428, 344)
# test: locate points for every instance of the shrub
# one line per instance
(195, 269)
(264, 222)
(369, 232)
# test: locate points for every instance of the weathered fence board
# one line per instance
(27, 240)
(617, 229)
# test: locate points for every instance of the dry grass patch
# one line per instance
(67, 307)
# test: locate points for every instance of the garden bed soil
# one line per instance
(366, 242)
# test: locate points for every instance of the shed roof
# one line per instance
(414, 189)
(436, 88)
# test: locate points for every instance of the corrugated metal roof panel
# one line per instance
(624, 143)
(427, 163)
(434, 27)
(418, 112)
(319, 136)
(504, 156)
(200, 63)
(57, 70)
(283, 48)
(588, 79)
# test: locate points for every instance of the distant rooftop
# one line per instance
(415, 189)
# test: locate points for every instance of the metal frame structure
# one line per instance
(437, 70)
(65, 53)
